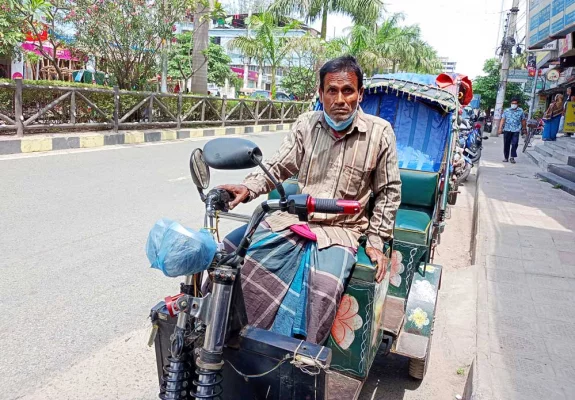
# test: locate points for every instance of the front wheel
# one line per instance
(527, 140)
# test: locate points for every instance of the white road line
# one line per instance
(181, 178)
(18, 156)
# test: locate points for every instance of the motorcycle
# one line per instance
(471, 141)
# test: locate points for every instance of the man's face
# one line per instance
(340, 95)
(514, 104)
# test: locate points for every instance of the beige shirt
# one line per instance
(349, 167)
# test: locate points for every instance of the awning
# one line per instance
(63, 54)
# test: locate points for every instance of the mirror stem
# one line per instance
(279, 187)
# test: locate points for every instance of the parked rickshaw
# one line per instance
(244, 362)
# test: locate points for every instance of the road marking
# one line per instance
(8, 157)
(181, 178)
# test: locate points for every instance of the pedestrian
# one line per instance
(553, 118)
(570, 97)
(512, 123)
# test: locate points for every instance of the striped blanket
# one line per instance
(289, 286)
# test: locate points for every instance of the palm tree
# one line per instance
(392, 47)
(268, 46)
(205, 10)
(362, 12)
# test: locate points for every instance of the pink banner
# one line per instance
(252, 75)
(63, 54)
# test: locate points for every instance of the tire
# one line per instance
(417, 367)
(452, 198)
(527, 140)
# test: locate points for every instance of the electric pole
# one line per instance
(507, 45)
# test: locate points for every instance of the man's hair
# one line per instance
(341, 64)
(516, 99)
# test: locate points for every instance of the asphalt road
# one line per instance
(75, 285)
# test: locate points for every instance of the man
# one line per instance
(294, 274)
(513, 121)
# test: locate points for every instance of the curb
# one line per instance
(474, 390)
(44, 143)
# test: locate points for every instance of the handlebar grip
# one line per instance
(333, 206)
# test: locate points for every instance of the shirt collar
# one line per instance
(359, 124)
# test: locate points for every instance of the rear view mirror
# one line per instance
(199, 169)
(232, 153)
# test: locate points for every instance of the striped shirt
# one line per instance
(350, 167)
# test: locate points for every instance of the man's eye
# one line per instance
(332, 91)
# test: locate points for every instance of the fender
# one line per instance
(414, 338)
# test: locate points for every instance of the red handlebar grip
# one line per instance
(332, 206)
(349, 206)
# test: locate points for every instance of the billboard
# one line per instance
(549, 19)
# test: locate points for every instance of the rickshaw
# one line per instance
(395, 315)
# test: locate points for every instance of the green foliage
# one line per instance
(300, 81)
(392, 47)
(362, 12)
(269, 45)
(219, 66)
(487, 86)
(10, 28)
(180, 61)
(128, 34)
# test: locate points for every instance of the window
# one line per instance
(217, 40)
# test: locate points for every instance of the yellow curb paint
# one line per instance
(133, 137)
(240, 130)
(220, 132)
(272, 128)
(91, 141)
(33, 145)
(169, 135)
(257, 128)
(196, 133)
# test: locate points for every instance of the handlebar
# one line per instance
(300, 204)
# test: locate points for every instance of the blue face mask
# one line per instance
(339, 126)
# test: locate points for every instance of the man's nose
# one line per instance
(339, 99)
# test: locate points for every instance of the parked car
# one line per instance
(266, 94)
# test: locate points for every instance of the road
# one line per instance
(76, 287)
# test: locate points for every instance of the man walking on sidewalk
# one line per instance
(512, 122)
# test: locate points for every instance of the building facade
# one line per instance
(449, 66)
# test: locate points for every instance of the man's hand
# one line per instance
(238, 193)
(381, 261)
(499, 132)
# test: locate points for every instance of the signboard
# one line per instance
(528, 87)
(518, 75)
(553, 75)
(549, 19)
(569, 126)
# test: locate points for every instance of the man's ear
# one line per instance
(360, 97)
(320, 96)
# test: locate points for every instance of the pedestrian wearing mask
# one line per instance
(512, 123)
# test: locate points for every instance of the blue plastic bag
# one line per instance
(176, 250)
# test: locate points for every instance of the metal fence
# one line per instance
(26, 108)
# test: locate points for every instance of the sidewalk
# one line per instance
(526, 286)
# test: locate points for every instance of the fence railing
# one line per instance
(26, 108)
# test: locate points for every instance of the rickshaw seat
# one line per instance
(418, 192)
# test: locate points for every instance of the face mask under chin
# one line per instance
(339, 126)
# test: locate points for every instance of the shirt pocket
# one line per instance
(351, 182)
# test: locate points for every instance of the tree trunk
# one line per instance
(260, 76)
(273, 82)
(324, 20)
(199, 58)
(164, 54)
